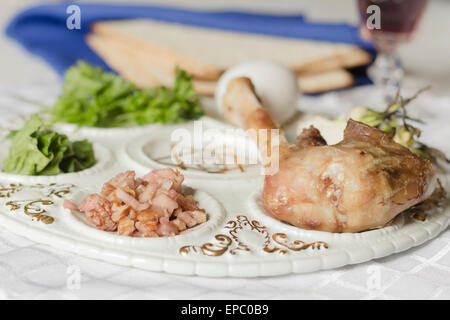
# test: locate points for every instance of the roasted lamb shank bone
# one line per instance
(361, 183)
(243, 109)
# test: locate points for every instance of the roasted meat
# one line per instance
(360, 183)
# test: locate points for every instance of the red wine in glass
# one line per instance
(387, 23)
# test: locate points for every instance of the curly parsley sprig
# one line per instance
(96, 98)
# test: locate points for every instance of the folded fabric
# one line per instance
(42, 29)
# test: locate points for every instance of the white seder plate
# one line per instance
(238, 240)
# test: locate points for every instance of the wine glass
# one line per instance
(388, 23)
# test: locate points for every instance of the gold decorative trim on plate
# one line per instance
(34, 207)
(233, 242)
(58, 190)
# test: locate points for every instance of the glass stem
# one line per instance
(387, 74)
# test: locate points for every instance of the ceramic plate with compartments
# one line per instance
(239, 239)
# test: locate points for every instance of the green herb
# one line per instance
(93, 97)
(36, 150)
(395, 121)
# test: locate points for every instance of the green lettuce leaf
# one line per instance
(95, 98)
(36, 150)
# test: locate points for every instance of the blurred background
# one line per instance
(32, 270)
(425, 59)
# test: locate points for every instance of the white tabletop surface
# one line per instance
(32, 270)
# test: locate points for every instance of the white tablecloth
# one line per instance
(33, 270)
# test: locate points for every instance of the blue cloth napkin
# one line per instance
(42, 29)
